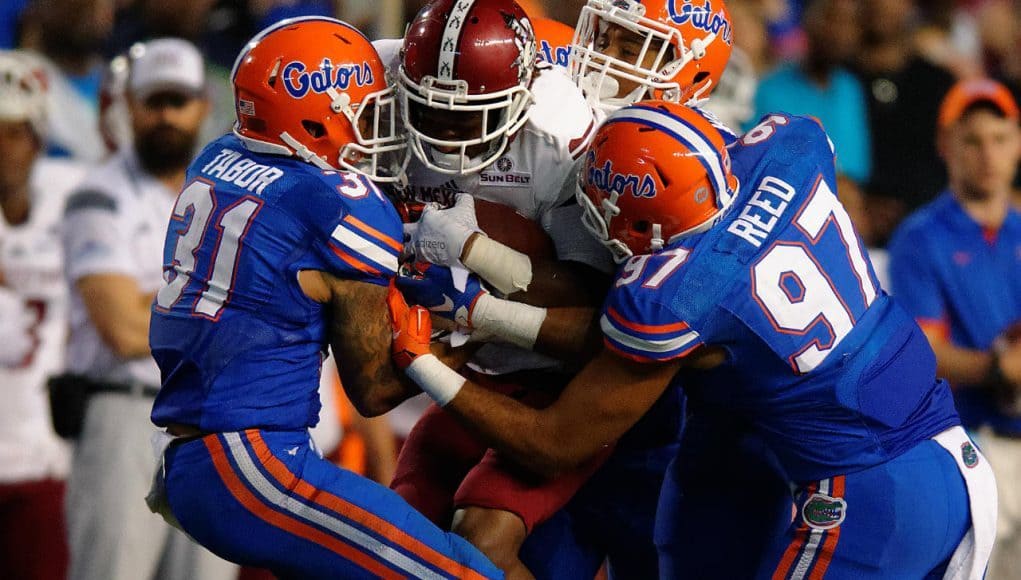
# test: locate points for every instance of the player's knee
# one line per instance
(496, 533)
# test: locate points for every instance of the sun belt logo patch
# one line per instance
(298, 81)
(701, 17)
(823, 512)
(605, 179)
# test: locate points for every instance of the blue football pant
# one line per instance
(900, 519)
(723, 502)
(611, 518)
(266, 499)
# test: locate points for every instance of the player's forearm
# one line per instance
(360, 336)
(506, 269)
(566, 333)
(570, 333)
(568, 284)
(528, 437)
(373, 385)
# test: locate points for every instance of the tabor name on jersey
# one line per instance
(762, 211)
(233, 167)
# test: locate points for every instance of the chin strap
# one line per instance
(304, 152)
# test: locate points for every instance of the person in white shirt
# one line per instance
(114, 227)
(33, 329)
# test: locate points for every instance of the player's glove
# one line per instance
(412, 329)
(435, 287)
(440, 234)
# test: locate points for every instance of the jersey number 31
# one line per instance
(230, 228)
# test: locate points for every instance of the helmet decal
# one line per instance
(452, 31)
(606, 179)
(702, 17)
(299, 82)
(524, 40)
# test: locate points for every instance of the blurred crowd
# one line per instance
(875, 72)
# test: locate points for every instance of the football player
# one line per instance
(625, 51)
(280, 243)
(612, 38)
(483, 119)
(458, 136)
(742, 274)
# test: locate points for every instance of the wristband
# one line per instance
(435, 378)
(513, 322)
(508, 270)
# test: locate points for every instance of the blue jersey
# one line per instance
(964, 282)
(831, 372)
(238, 343)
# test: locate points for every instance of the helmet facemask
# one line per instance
(597, 221)
(500, 114)
(379, 148)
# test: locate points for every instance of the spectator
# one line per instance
(749, 18)
(33, 330)
(115, 225)
(219, 38)
(948, 36)
(903, 94)
(69, 36)
(820, 86)
(954, 264)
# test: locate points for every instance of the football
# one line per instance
(505, 225)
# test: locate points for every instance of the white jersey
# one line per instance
(115, 223)
(32, 265)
